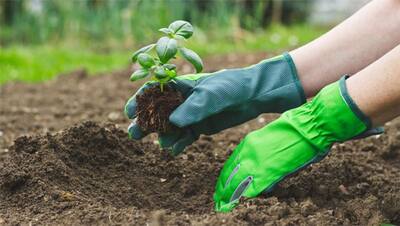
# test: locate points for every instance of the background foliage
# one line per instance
(40, 38)
(38, 21)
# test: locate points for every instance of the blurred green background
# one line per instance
(41, 38)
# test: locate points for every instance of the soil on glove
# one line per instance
(65, 159)
(154, 108)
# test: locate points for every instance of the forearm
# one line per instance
(350, 46)
(376, 89)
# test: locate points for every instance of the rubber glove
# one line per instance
(220, 100)
(301, 136)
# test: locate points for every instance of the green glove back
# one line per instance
(299, 137)
(226, 98)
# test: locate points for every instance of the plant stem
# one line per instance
(162, 86)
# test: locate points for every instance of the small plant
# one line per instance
(157, 102)
(157, 65)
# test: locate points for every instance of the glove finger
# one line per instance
(187, 139)
(184, 86)
(167, 140)
(229, 169)
(130, 106)
(235, 186)
(223, 120)
(135, 132)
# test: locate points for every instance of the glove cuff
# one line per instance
(351, 104)
(295, 77)
(330, 117)
(274, 84)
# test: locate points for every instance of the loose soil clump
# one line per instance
(93, 165)
(155, 106)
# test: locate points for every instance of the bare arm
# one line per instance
(349, 47)
(376, 89)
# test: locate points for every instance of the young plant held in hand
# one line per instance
(160, 99)
(167, 47)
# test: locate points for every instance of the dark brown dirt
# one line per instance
(154, 108)
(65, 159)
(93, 165)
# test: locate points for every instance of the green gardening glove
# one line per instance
(220, 100)
(299, 137)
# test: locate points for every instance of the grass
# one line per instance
(39, 63)
(43, 62)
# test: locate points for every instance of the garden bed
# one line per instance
(65, 158)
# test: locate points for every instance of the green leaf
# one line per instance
(170, 66)
(166, 31)
(145, 60)
(193, 58)
(160, 73)
(182, 28)
(142, 50)
(179, 37)
(139, 74)
(166, 48)
(171, 73)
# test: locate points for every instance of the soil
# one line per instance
(65, 159)
(154, 107)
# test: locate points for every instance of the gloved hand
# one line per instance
(299, 137)
(220, 100)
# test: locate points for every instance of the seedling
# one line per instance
(156, 63)
(155, 104)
